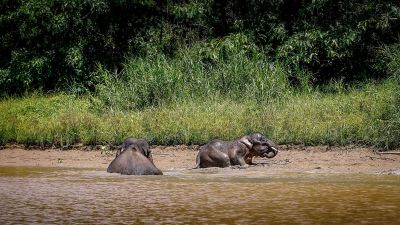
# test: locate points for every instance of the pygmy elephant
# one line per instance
(142, 144)
(240, 152)
(132, 162)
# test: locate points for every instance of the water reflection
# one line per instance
(60, 196)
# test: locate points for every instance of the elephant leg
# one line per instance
(239, 160)
(249, 160)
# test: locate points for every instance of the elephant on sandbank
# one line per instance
(218, 153)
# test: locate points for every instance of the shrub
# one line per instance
(230, 67)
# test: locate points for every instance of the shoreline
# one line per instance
(291, 159)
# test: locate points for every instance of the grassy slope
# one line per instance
(362, 116)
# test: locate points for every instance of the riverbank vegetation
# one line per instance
(185, 72)
(368, 115)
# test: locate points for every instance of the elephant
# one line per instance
(142, 144)
(132, 161)
(218, 153)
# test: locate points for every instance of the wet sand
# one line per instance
(291, 159)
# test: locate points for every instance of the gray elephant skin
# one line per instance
(142, 144)
(132, 161)
(218, 153)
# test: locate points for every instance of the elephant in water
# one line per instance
(142, 144)
(131, 161)
(240, 152)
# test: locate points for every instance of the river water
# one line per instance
(88, 196)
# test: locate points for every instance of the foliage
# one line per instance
(332, 39)
(51, 44)
(186, 71)
(366, 115)
(230, 67)
(55, 44)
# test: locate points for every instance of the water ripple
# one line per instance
(60, 196)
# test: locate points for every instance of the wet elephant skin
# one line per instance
(218, 153)
(132, 162)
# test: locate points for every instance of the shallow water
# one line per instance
(60, 196)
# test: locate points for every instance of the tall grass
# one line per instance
(367, 116)
(60, 120)
(232, 67)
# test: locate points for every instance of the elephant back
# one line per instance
(133, 162)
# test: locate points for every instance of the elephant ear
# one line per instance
(145, 150)
(246, 141)
(257, 138)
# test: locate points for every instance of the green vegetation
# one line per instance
(359, 116)
(187, 71)
(64, 45)
(232, 67)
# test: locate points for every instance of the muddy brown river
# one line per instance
(36, 195)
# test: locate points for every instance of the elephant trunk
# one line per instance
(272, 152)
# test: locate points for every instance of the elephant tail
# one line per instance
(197, 160)
(109, 169)
(197, 164)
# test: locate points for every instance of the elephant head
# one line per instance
(260, 145)
(141, 144)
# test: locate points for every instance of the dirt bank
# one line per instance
(291, 159)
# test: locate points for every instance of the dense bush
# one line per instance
(48, 44)
(332, 39)
(51, 44)
(232, 67)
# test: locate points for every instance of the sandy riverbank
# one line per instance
(291, 159)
